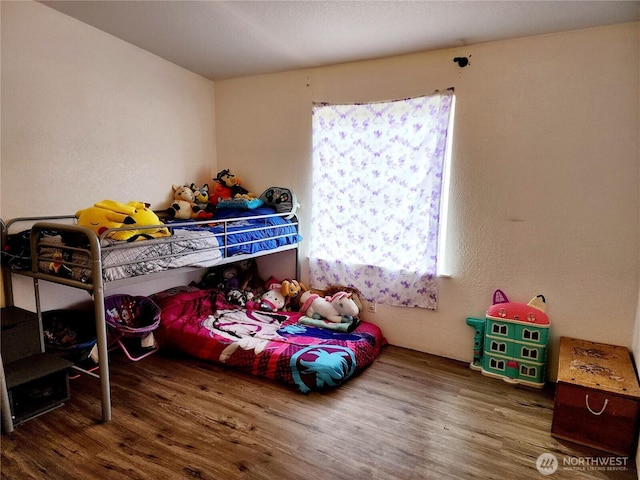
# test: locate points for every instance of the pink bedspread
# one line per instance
(272, 345)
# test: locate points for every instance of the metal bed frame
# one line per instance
(98, 285)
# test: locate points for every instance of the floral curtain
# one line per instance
(377, 176)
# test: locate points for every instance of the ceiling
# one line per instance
(228, 39)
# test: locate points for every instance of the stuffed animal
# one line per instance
(201, 195)
(220, 192)
(144, 216)
(249, 279)
(239, 297)
(272, 300)
(101, 219)
(242, 275)
(109, 214)
(356, 295)
(184, 206)
(222, 277)
(292, 289)
(337, 309)
(229, 181)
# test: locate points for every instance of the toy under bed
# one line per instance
(273, 345)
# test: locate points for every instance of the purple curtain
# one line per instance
(377, 178)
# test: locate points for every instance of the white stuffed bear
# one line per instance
(183, 206)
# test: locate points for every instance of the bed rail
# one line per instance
(93, 246)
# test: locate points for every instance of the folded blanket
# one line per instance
(345, 326)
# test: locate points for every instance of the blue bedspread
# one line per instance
(259, 232)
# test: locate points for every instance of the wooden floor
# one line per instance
(409, 416)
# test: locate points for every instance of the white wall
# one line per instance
(545, 173)
(86, 116)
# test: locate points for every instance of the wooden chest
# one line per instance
(597, 399)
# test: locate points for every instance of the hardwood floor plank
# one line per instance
(409, 416)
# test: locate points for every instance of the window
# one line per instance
(528, 371)
(498, 346)
(531, 334)
(377, 182)
(496, 364)
(529, 353)
(499, 329)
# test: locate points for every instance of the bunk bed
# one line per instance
(62, 252)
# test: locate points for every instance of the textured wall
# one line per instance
(86, 116)
(544, 182)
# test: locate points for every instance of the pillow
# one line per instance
(282, 199)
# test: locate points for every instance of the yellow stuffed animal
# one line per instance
(111, 214)
(100, 219)
(292, 288)
(144, 216)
